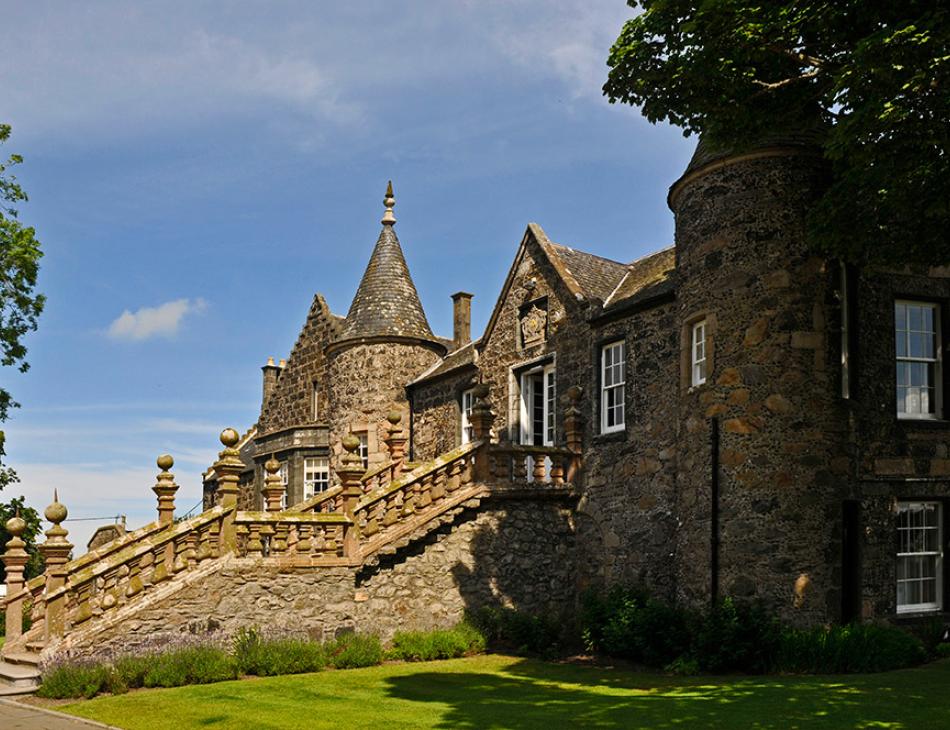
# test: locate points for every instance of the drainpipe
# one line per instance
(714, 512)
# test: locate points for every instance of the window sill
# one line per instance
(918, 613)
(938, 424)
(606, 438)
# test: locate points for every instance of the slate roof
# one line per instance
(648, 276)
(386, 303)
(595, 275)
(464, 356)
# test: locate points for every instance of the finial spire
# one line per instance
(389, 201)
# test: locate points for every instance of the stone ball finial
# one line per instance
(480, 391)
(272, 466)
(56, 512)
(16, 525)
(394, 417)
(230, 437)
(351, 442)
(574, 393)
(165, 462)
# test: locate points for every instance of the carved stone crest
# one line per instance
(533, 326)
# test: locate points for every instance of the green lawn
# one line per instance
(504, 692)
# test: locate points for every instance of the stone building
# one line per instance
(758, 421)
(731, 415)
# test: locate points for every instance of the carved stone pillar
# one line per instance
(165, 489)
(56, 551)
(14, 560)
(273, 486)
(228, 470)
(396, 443)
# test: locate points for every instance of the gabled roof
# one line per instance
(595, 276)
(650, 275)
(386, 303)
(463, 357)
(586, 276)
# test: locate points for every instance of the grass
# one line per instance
(494, 691)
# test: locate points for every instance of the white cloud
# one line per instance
(161, 321)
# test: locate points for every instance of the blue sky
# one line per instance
(197, 170)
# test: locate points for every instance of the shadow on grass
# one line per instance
(531, 694)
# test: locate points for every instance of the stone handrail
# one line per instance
(414, 497)
(299, 538)
(328, 501)
(36, 585)
(113, 581)
(378, 478)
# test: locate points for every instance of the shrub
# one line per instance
(735, 636)
(270, 657)
(522, 633)
(943, 650)
(421, 646)
(74, 680)
(200, 665)
(129, 671)
(851, 648)
(629, 624)
(351, 651)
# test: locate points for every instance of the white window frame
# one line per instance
(285, 482)
(363, 450)
(315, 403)
(697, 353)
(613, 382)
(526, 398)
(937, 359)
(906, 554)
(465, 406)
(316, 475)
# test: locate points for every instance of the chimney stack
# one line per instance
(271, 373)
(461, 319)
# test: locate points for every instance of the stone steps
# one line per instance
(18, 678)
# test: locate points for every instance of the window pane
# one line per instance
(900, 317)
(916, 318)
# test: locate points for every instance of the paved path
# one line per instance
(18, 716)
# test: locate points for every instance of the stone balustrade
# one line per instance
(300, 539)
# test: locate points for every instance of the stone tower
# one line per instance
(384, 343)
(761, 464)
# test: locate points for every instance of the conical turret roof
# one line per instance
(387, 303)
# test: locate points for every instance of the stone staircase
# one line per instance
(361, 525)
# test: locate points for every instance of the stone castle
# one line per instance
(731, 415)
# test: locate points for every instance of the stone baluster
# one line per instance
(574, 432)
(396, 443)
(455, 476)
(482, 420)
(165, 489)
(228, 470)
(519, 468)
(539, 469)
(557, 469)
(14, 560)
(273, 486)
(56, 552)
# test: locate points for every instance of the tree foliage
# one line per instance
(20, 305)
(876, 76)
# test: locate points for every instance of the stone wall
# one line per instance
(366, 382)
(508, 552)
(742, 264)
(629, 490)
(292, 401)
(436, 414)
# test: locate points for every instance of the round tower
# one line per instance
(762, 471)
(384, 343)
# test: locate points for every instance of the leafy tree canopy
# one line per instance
(876, 75)
(20, 305)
